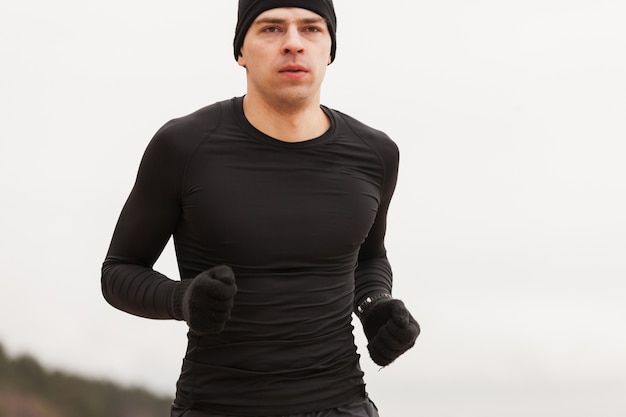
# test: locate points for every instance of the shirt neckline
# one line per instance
(255, 133)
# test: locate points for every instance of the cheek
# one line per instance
(251, 57)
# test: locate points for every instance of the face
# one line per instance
(285, 53)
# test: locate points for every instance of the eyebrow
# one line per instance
(276, 20)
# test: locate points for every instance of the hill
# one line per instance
(29, 390)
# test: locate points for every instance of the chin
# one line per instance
(295, 95)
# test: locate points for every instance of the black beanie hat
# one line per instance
(250, 9)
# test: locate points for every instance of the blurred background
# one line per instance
(507, 232)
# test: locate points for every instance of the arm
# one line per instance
(146, 223)
(389, 327)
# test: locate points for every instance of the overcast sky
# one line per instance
(507, 232)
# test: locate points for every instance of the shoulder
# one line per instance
(197, 123)
(186, 132)
(376, 139)
(176, 141)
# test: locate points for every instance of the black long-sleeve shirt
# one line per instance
(301, 224)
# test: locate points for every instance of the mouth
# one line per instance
(293, 69)
(294, 73)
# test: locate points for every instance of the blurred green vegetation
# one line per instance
(28, 389)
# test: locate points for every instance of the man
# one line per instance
(278, 207)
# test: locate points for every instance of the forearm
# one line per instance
(372, 277)
(139, 290)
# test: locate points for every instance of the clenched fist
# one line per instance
(208, 300)
(390, 330)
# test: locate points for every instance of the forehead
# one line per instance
(288, 13)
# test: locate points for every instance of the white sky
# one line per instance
(507, 233)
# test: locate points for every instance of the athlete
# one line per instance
(277, 206)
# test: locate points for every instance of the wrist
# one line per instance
(178, 297)
(363, 307)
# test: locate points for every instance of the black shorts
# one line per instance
(364, 408)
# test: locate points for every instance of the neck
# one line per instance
(288, 123)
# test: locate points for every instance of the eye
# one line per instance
(312, 29)
(271, 29)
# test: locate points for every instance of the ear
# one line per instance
(241, 60)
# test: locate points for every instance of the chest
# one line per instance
(263, 206)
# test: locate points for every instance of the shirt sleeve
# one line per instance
(146, 223)
(373, 274)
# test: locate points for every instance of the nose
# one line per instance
(293, 41)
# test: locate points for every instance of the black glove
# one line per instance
(390, 330)
(208, 299)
